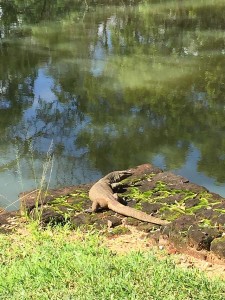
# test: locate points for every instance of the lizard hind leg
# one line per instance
(119, 199)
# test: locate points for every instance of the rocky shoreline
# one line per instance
(197, 216)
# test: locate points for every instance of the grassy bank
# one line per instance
(60, 264)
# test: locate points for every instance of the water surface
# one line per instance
(87, 89)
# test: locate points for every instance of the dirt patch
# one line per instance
(186, 258)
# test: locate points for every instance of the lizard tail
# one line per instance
(134, 213)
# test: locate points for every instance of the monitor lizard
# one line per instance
(102, 196)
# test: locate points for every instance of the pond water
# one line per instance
(87, 87)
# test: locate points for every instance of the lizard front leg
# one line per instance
(95, 206)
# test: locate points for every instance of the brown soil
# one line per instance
(139, 241)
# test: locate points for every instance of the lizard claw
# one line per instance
(88, 211)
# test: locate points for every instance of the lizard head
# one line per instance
(117, 176)
(120, 175)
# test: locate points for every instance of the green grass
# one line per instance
(60, 264)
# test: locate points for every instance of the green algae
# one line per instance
(206, 223)
(138, 206)
(135, 194)
(119, 230)
(161, 192)
(170, 214)
(220, 210)
(72, 202)
(79, 193)
(59, 200)
(203, 203)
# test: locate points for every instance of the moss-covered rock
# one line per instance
(197, 216)
(201, 238)
(218, 247)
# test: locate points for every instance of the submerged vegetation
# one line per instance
(60, 264)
